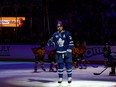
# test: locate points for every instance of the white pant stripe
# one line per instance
(60, 72)
(69, 70)
(60, 69)
(69, 73)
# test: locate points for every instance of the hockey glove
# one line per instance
(68, 52)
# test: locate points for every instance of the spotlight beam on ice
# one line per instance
(52, 82)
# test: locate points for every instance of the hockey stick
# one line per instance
(100, 72)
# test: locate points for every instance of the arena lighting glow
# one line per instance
(11, 21)
(52, 82)
(25, 77)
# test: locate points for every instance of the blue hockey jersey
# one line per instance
(62, 41)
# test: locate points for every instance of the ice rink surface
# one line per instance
(20, 74)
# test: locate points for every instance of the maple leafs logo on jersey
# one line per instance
(60, 42)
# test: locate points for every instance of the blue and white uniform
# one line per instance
(63, 43)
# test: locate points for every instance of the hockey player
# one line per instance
(106, 53)
(39, 57)
(82, 51)
(62, 40)
(75, 54)
(112, 62)
(52, 58)
(107, 57)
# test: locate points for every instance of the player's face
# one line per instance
(60, 28)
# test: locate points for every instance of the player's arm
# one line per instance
(51, 42)
(70, 42)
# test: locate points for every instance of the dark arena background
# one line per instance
(26, 24)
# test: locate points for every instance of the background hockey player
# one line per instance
(52, 58)
(39, 53)
(106, 52)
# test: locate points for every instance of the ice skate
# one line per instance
(60, 80)
(69, 80)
